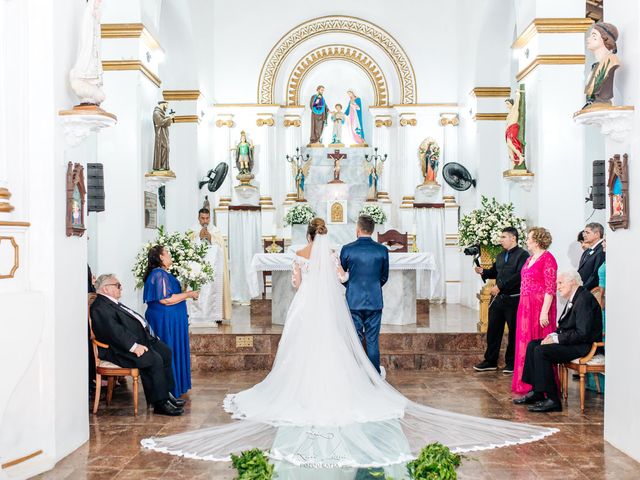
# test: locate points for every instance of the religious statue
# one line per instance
(429, 153)
(206, 204)
(602, 42)
(514, 134)
(618, 184)
(319, 116)
(244, 155)
(336, 157)
(337, 117)
(161, 122)
(86, 75)
(354, 114)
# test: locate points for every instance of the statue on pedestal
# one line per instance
(337, 117)
(244, 155)
(300, 167)
(602, 42)
(514, 133)
(161, 123)
(354, 114)
(429, 153)
(319, 116)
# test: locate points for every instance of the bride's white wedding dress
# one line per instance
(324, 405)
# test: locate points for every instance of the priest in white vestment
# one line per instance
(214, 303)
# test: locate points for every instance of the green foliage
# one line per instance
(252, 465)
(300, 214)
(435, 462)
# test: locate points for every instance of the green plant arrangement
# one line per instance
(252, 465)
(483, 226)
(301, 214)
(189, 266)
(375, 212)
(435, 462)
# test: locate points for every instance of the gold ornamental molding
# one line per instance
(224, 123)
(386, 122)
(489, 116)
(552, 25)
(180, 95)
(292, 122)
(129, 30)
(338, 52)
(248, 105)
(186, 119)
(550, 60)
(5, 205)
(120, 65)
(265, 122)
(405, 122)
(449, 119)
(490, 92)
(16, 257)
(336, 24)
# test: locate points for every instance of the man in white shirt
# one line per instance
(132, 344)
(214, 303)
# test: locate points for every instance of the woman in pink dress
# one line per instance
(537, 308)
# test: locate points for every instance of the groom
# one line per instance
(367, 263)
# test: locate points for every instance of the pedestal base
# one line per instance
(359, 145)
(315, 145)
(245, 194)
(157, 178)
(614, 122)
(336, 145)
(522, 178)
(81, 120)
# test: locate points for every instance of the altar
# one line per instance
(401, 305)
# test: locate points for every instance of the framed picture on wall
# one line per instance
(76, 196)
(150, 210)
(618, 192)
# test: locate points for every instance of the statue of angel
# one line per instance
(300, 170)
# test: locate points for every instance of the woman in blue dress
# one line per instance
(167, 313)
(602, 284)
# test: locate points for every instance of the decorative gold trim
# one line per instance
(5, 205)
(383, 123)
(336, 24)
(21, 459)
(449, 119)
(550, 60)
(243, 105)
(292, 122)
(552, 25)
(224, 123)
(489, 116)
(595, 107)
(129, 30)
(516, 173)
(265, 122)
(181, 95)
(16, 261)
(14, 224)
(337, 52)
(186, 119)
(445, 104)
(408, 122)
(118, 65)
(490, 92)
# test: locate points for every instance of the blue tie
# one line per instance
(506, 257)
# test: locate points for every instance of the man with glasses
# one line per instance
(593, 257)
(132, 344)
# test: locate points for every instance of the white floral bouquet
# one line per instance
(189, 266)
(300, 214)
(484, 225)
(375, 212)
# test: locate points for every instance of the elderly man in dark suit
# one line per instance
(132, 344)
(593, 256)
(579, 326)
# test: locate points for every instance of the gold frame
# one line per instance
(16, 257)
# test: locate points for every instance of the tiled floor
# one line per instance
(578, 451)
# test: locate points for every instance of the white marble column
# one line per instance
(266, 138)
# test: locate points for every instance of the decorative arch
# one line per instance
(336, 24)
(337, 52)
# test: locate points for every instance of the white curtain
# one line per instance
(430, 239)
(245, 240)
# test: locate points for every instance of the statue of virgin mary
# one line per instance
(354, 115)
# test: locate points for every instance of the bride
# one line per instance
(323, 404)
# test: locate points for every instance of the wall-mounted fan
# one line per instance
(215, 177)
(458, 177)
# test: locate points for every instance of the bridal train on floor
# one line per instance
(323, 404)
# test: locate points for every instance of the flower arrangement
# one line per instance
(189, 259)
(375, 212)
(483, 226)
(300, 214)
(435, 462)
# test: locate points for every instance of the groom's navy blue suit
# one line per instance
(367, 262)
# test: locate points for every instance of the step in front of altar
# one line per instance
(404, 351)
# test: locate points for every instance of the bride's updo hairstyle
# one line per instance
(316, 227)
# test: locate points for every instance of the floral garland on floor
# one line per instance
(375, 212)
(189, 266)
(301, 214)
(483, 226)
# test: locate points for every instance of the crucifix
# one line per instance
(337, 157)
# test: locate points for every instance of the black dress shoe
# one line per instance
(529, 399)
(547, 405)
(485, 366)
(178, 402)
(167, 408)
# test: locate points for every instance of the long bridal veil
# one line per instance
(324, 405)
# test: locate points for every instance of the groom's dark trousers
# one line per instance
(367, 263)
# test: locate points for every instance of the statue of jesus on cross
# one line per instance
(337, 157)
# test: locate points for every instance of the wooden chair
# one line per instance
(109, 370)
(394, 240)
(590, 363)
(270, 246)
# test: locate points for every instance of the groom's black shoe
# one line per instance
(167, 408)
(485, 366)
(178, 402)
(529, 399)
(547, 405)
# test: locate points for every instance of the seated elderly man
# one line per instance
(132, 344)
(578, 327)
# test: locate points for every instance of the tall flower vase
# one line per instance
(486, 261)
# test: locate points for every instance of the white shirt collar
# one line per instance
(109, 297)
(597, 243)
